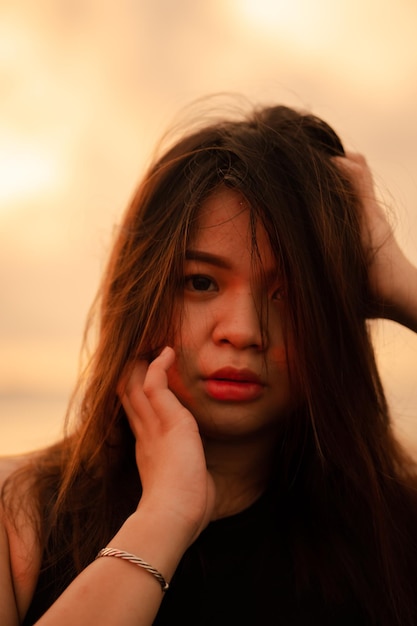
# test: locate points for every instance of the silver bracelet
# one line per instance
(126, 556)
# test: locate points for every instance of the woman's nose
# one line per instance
(238, 322)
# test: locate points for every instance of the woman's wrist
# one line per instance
(157, 537)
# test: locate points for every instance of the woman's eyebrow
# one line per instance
(270, 274)
(208, 257)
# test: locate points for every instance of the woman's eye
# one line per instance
(199, 283)
(278, 294)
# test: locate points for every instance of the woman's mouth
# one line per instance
(233, 385)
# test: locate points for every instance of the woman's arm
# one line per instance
(109, 591)
(392, 276)
(8, 603)
(113, 591)
(177, 503)
(20, 555)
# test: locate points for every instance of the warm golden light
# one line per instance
(27, 165)
(88, 87)
(298, 22)
(271, 14)
(25, 169)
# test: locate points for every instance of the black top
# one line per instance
(240, 571)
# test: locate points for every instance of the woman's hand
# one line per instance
(392, 277)
(169, 450)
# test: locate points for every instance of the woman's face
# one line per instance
(229, 373)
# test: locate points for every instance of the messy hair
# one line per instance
(338, 455)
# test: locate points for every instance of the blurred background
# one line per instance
(87, 87)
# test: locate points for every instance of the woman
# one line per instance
(233, 436)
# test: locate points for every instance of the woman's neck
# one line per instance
(241, 470)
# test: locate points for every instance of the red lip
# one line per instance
(232, 374)
(233, 385)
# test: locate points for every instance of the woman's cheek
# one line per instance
(178, 383)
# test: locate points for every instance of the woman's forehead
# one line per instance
(226, 224)
(221, 206)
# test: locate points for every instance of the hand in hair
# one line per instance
(169, 450)
(392, 277)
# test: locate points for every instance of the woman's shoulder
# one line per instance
(20, 554)
(12, 490)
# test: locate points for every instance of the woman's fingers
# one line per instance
(376, 232)
(169, 451)
(162, 400)
(133, 399)
(146, 396)
(392, 277)
(376, 229)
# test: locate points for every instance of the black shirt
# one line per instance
(240, 571)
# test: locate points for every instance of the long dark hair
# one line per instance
(351, 487)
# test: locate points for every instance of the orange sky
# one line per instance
(87, 87)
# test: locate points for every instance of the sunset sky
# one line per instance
(87, 87)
